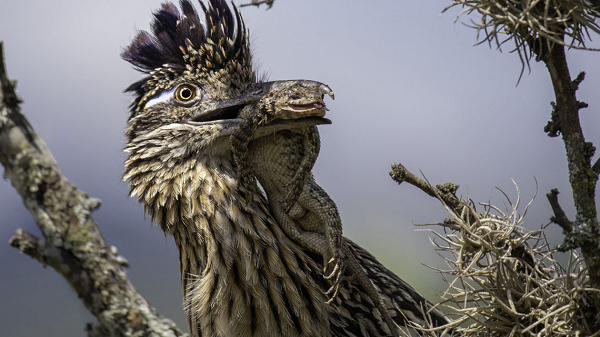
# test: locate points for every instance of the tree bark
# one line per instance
(579, 153)
(72, 243)
(583, 176)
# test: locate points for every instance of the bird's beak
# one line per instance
(231, 108)
(293, 104)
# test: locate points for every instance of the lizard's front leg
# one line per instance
(240, 140)
(312, 146)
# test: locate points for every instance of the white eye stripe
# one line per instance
(165, 96)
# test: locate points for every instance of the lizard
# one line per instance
(282, 162)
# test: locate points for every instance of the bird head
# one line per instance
(199, 87)
(191, 65)
(200, 78)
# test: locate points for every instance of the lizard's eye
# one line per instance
(186, 93)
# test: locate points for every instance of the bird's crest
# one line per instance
(182, 44)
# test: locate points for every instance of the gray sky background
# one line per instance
(410, 87)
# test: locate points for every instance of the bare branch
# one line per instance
(446, 192)
(585, 231)
(72, 244)
(559, 215)
(29, 244)
(257, 3)
(577, 81)
(596, 168)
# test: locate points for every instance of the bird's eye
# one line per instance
(186, 93)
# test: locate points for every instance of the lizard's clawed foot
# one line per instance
(336, 275)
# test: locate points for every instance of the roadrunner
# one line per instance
(241, 274)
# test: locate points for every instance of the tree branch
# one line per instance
(559, 215)
(596, 168)
(585, 232)
(72, 243)
(257, 3)
(446, 192)
(29, 244)
(578, 151)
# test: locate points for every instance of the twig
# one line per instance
(596, 168)
(559, 217)
(257, 3)
(72, 243)
(446, 192)
(29, 244)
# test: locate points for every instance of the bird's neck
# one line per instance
(241, 275)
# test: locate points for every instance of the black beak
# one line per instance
(231, 108)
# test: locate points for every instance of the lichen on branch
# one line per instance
(72, 243)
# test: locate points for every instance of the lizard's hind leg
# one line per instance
(327, 219)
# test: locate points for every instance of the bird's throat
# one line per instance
(241, 275)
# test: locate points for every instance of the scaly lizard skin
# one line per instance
(282, 163)
(289, 171)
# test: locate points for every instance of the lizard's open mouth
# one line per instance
(288, 124)
(309, 106)
(281, 124)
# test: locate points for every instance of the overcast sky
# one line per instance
(410, 87)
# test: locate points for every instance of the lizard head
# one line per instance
(295, 99)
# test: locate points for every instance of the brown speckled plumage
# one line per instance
(241, 274)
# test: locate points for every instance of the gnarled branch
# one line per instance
(446, 192)
(72, 243)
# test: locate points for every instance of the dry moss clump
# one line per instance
(532, 25)
(503, 279)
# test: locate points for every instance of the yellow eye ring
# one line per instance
(186, 92)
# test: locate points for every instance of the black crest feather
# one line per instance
(222, 37)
